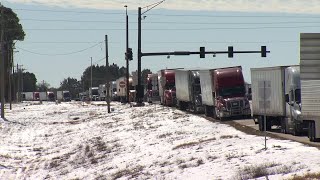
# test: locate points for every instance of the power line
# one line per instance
(174, 29)
(62, 54)
(177, 15)
(63, 42)
(99, 60)
(66, 11)
(172, 22)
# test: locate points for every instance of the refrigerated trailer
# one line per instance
(188, 90)
(276, 96)
(310, 82)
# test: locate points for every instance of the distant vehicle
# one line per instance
(113, 91)
(122, 88)
(280, 88)
(102, 92)
(188, 90)
(51, 96)
(223, 92)
(63, 96)
(94, 93)
(167, 87)
(43, 96)
(36, 96)
(152, 88)
(27, 96)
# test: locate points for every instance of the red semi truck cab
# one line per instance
(167, 89)
(230, 92)
(223, 92)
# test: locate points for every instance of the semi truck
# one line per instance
(122, 88)
(167, 89)
(310, 82)
(276, 98)
(102, 92)
(223, 92)
(94, 93)
(113, 91)
(152, 88)
(27, 96)
(51, 96)
(188, 90)
(63, 96)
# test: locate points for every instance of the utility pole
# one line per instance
(108, 74)
(90, 90)
(18, 83)
(2, 63)
(127, 52)
(10, 79)
(138, 88)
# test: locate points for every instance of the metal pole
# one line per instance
(139, 58)
(265, 115)
(127, 47)
(108, 74)
(2, 64)
(18, 83)
(10, 79)
(90, 91)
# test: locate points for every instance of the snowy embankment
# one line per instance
(72, 141)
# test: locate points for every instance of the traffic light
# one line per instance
(263, 51)
(230, 51)
(130, 54)
(202, 52)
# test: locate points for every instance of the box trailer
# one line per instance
(188, 90)
(276, 95)
(310, 82)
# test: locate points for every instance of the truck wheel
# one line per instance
(214, 114)
(311, 131)
(269, 124)
(261, 123)
(284, 126)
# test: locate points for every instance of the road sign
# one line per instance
(122, 84)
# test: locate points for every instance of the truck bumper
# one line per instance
(244, 112)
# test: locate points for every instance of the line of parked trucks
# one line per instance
(285, 96)
(46, 96)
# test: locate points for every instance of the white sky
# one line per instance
(71, 141)
(289, 6)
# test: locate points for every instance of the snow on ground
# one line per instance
(82, 141)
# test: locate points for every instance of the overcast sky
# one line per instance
(63, 35)
(289, 6)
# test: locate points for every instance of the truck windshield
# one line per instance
(170, 86)
(197, 89)
(232, 91)
(95, 92)
(297, 95)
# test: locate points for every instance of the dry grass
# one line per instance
(190, 144)
(263, 170)
(228, 136)
(130, 173)
(164, 135)
(308, 176)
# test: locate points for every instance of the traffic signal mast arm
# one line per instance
(202, 52)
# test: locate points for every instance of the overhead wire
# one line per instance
(60, 54)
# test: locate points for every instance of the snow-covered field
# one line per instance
(75, 141)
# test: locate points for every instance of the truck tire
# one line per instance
(261, 123)
(311, 131)
(208, 111)
(284, 126)
(214, 113)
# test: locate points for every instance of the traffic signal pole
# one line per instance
(138, 87)
(127, 53)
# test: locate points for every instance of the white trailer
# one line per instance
(27, 96)
(122, 87)
(102, 92)
(188, 90)
(276, 95)
(59, 95)
(310, 82)
(43, 96)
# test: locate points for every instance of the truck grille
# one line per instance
(235, 107)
